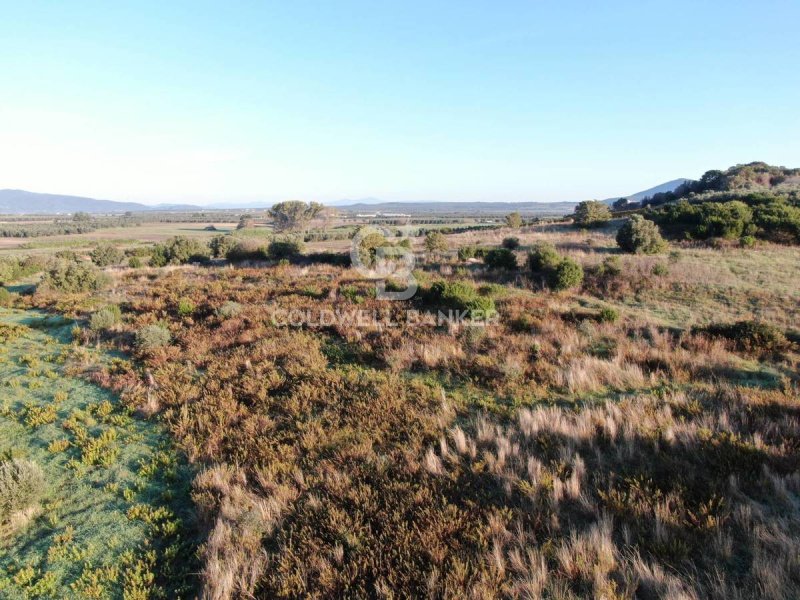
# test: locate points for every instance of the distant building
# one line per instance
(382, 215)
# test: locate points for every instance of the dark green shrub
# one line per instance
(542, 258)
(640, 236)
(728, 220)
(328, 258)
(500, 258)
(568, 274)
(704, 220)
(462, 296)
(368, 248)
(22, 484)
(104, 255)
(466, 252)
(747, 241)
(660, 270)
(511, 243)
(151, 337)
(220, 245)
(752, 337)
(778, 222)
(558, 272)
(134, 262)
(288, 248)
(608, 315)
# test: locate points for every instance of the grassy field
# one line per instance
(115, 520)
(124, 236)
(632, 435)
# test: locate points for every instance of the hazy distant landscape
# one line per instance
(20, 202)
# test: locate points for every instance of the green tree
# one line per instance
(640, 236)
(293, 214)
(435, 242)
(246, 222)
(81, 217)
(621, 204)
(591, 213)
(368, 248)
(514, 220)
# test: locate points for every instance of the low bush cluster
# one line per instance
(752, 337)
(221, 245)
(460, 296)
(557, 272)
(13, 269)
(105, 255)
(69, 276)
(22, 484)
(178, 251)
(105, 318)
(151, 337)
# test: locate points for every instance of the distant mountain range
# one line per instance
(373, 205)
(669, 186)
(21, 202)
(17, 202)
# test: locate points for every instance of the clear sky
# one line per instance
(535, 100)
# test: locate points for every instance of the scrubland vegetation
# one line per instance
(623, 421)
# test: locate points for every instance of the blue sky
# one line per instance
(198, 101)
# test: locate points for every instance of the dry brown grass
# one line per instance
(549, 455)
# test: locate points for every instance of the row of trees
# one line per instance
(776, 220)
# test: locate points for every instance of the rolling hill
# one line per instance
(18, 202)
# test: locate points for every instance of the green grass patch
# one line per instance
(116, 512)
